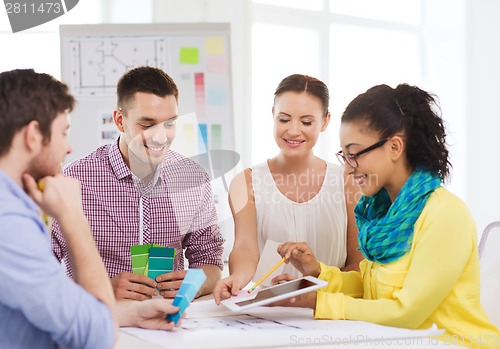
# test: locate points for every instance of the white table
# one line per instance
(209, 326)
(127, 341)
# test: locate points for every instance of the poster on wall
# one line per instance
(196, 56)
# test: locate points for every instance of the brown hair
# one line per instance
(26, 96)
(307, 84)
(147, 80)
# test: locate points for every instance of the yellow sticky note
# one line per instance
(189, 55)
(214, 46)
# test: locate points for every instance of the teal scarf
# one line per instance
(385, 230)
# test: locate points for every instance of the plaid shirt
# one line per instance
(176, 209)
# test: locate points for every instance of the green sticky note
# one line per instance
(189, 55)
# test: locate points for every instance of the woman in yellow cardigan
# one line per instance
(421, 261)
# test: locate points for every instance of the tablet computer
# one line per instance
(274, 293)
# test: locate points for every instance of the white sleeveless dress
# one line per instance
(321, 221)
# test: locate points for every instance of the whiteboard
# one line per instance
(196, 55)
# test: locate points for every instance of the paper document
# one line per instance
(268, 327)
(268, 258)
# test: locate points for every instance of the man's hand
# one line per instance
(133, 286)
(58, 192)
(169, 283)
(148, 314)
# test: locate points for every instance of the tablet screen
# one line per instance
(285, 288)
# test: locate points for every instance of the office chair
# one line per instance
(489, 259)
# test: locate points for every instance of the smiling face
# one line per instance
(374, 167)
(147, 124)
(52, 154)
(298, 121)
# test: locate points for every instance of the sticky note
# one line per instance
(190, 286)
(203, 134)
(199, 92)
(214, 46)
(216, 64)
(189, 55)
(216, 136)
(188, 138)
(216, 96)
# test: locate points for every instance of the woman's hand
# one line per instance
(301, 256)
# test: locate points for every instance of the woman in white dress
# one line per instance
(294, 196)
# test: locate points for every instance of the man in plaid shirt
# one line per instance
(138, 191)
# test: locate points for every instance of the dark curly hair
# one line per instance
(26, 96)
(308, 84)
(407, 109)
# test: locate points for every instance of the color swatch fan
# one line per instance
(161, 261)
(152, 260)
(191, 284)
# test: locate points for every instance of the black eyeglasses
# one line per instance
(351, 159)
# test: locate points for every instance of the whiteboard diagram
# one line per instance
(196, 56)
(98, 62)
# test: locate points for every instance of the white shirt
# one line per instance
(321, 221)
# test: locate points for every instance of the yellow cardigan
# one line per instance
(437, 281)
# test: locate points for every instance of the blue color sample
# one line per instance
(191, 284)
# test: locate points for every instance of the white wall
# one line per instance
(444, 73)
(483, 110)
